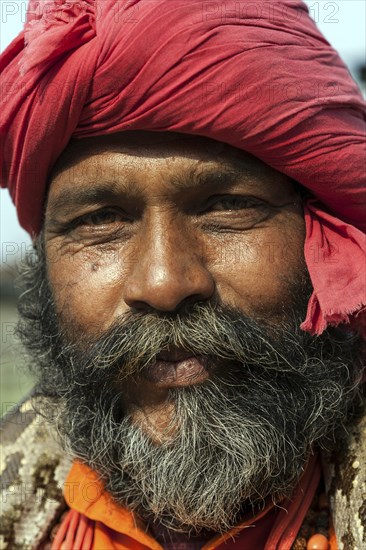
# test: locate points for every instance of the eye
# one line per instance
(105, 224)
(231, 202)
(233, 213)
(105, 216)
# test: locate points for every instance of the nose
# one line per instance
(168, 270)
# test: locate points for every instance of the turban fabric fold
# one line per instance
(256, 75)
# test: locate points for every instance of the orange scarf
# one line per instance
(96, 522)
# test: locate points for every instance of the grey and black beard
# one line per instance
(242, 436)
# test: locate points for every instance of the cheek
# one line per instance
(86, 287)
(256, 274)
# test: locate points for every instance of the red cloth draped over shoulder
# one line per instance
(256, 75)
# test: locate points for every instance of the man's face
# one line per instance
(159, 222)
(163, 318)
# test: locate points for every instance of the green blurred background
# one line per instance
(15, 380)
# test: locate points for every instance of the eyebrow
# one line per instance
(216, 176)
(93, 193)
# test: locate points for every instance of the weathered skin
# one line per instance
(159, 234)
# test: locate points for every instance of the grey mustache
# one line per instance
(221, 334)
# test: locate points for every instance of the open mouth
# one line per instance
(176, 367)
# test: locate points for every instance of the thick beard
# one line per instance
(242, 436)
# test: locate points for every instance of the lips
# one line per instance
(174, 354)
(175, 367)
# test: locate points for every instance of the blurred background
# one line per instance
(343, 24)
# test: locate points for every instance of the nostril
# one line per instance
(189, 301)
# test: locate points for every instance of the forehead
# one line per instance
(150, 146)
(149, 158)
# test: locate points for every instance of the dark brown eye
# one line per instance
(102, 217)
(231, 202)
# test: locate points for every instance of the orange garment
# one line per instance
(96, 522)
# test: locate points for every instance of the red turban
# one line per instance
(256, 75)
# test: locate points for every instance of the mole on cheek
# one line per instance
(94, 267)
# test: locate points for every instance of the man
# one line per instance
(172, 191)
